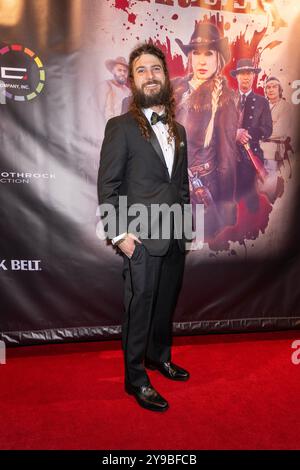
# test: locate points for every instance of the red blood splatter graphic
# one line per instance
(175, 62)
(248, 225)
(174, 17)
(122, 4)
(131, 18)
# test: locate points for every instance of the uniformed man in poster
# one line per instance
(254, 125)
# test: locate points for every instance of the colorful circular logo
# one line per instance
(22, 73)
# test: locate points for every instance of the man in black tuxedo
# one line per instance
(255, 124)
(144, 157)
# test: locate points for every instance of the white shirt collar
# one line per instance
(246, 94)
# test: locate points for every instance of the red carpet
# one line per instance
(243, 394)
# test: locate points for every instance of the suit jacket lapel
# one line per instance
(155, 144)
(177, 153)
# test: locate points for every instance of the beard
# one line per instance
(120, 80)
(158, 98)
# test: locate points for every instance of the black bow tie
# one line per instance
(155, 118)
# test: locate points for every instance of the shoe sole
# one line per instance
(142, 404)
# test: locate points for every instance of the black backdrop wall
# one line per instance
(59, 281)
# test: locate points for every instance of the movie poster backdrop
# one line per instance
(64, 73)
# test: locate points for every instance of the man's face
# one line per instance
(120, 73)
(149, 78)
(245, 81)
(204, 63)
(272, 91)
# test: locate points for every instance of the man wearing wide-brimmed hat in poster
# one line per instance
(255, 125)
(109, 94)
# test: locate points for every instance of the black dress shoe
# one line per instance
(168, 369)
(147, 397)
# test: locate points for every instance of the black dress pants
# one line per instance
(152, 285)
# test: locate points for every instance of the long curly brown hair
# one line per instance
(169, 103)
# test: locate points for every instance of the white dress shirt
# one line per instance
(168, 148)
(162, 133)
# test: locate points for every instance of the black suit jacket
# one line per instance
(134, 167)
(257, 120)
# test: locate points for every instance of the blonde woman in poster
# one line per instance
(206, 108)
